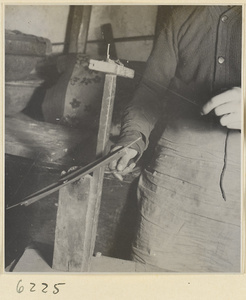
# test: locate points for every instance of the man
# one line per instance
(189, 194)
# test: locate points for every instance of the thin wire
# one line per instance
(224, 167)
(168, 89)
(226, 138)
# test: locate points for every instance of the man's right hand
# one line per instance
(121, 166)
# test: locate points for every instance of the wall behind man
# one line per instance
(50, 21)
(126, 21)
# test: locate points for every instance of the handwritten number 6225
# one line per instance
(20, 288)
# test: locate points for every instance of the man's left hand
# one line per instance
(227, 106)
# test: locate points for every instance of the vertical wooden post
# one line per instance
(106, 113)
(102, 140)
(79, 202)
(72, 223)
(79, 28)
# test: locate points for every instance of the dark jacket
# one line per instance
(197, 56)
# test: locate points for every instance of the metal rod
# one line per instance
(74, 176)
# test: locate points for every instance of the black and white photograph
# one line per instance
(123, 144)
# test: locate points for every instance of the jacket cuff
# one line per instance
(128, 137)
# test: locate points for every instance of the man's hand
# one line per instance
(227, 106)
(120, 167)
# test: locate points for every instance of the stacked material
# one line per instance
(22, 53)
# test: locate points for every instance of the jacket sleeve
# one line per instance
(147, 105)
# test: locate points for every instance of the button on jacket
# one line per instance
(189, 193)
(196, 56)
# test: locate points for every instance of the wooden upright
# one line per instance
(79, 202)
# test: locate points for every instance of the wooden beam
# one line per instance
(74, 218)
(111, 68)
(79, 28)
(103, 137)
(82, 245)
(79, 203)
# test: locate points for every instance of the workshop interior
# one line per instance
(57, 120)
(71, 72)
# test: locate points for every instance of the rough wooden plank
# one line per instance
(82, 245)
(79, 204)
(106, 113)
(111, 68)
(103, 137)
(37, 140)
(74, 220)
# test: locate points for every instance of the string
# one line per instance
(166, 88)
(226, 137)
(224, 166)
